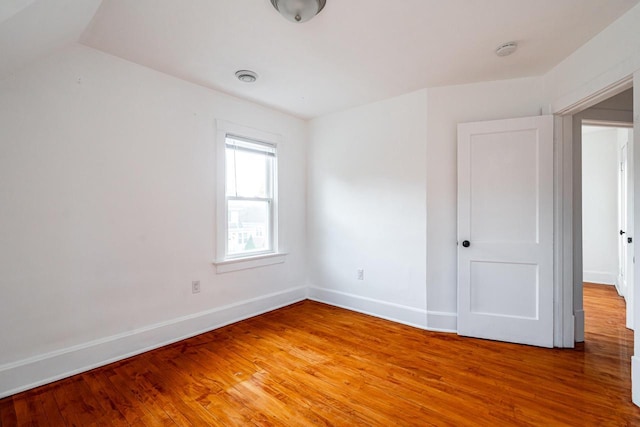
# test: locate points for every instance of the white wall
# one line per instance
(373, 171)
(600, 206)
(449, 106)
(107, 178)
(367, 208)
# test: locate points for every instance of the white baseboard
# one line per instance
(635, 380)
(389, 311)
(619, 287)
(36, 371)
(600, 277)
(419, 318)
(440, 321)
(579, 325)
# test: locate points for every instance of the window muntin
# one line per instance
(249, 197)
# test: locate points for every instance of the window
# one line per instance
(247, 212)
(249, 196)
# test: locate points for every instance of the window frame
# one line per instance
(223, 262)
(273, 182)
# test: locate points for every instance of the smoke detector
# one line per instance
(246, 76)
(506, 49)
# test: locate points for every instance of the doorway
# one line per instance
(607, 241)
(616, 112)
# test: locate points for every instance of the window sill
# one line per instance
(229, 265)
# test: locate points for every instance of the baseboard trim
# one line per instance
(440, 321)
(635, 380)
(600, 277)
(36, 371)
(411, 316)
(394, 312)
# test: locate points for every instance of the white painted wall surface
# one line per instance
(107, 178)
(449, 106)
(600, 206)
(356, 220)
(367, 208)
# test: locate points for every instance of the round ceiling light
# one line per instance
(298, 10)
(506, 49)
(246, 76)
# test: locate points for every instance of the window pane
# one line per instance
(249, 227)
(249, 174)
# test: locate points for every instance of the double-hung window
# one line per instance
(247, 232)
(250, 205)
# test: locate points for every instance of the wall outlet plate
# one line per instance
(195, 287)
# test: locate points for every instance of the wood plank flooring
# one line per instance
(312, 364)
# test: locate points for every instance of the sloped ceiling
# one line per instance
(354, 52)
(30, 29)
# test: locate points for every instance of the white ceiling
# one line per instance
(352, 53)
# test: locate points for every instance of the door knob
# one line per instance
(466, 243)
(621, 232)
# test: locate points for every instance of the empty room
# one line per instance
(319, 212)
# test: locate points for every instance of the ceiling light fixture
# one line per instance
(298, 10)
(246, 76)
(506, 49)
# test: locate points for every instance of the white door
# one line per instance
(505, 230)
(625, 139)
(622, 222)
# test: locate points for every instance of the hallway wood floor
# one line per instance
(312, 364)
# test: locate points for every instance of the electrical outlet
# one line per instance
(195, 287)
(360, 274)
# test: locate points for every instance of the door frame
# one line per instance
(569, 312)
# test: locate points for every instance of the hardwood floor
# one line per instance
(312, 364)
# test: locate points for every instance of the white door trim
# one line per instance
(598, 96)
(564, 324)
